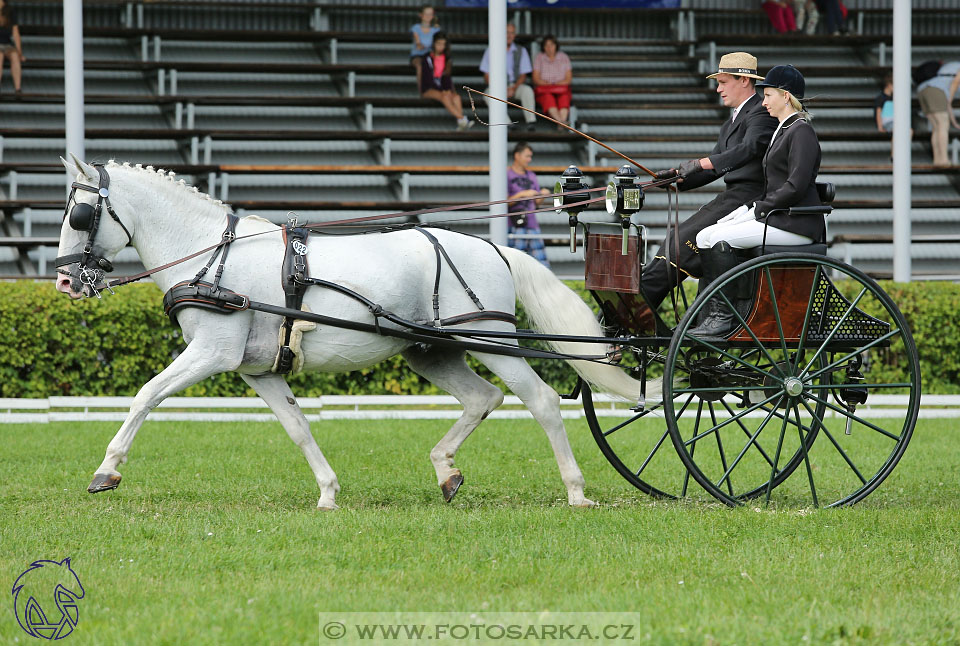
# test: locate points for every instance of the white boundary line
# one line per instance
(368, 407)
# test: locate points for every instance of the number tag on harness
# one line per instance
(299, 248)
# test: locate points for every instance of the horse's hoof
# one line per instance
(332, 506)
(104, 482)
(584, 503)
(450, 487)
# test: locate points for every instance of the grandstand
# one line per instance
(278, 106)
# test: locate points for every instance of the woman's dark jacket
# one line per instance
(790, 169)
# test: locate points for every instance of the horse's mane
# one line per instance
(168, 179)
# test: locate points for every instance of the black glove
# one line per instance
(668, 173)
(688, 168)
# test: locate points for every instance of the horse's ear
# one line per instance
(70, 166)
(87, 170)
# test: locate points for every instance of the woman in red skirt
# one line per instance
(552, 74)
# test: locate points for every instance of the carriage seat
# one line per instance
(818, 248)
(826, 191)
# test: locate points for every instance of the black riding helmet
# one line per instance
(784, 77)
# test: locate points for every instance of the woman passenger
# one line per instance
(790, 165)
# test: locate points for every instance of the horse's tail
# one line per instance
(556, 309)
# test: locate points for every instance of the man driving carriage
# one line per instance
(737, 157)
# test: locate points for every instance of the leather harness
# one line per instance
(295, 280)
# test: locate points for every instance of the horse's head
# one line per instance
(92, 233)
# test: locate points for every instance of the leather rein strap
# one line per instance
(372, 218)
(320, 225)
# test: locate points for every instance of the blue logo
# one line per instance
(58, 588)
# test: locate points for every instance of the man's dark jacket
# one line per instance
(737, 158)
(739, 151)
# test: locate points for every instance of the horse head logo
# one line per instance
(59, 588)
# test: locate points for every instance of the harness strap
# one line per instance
(229, 235)
(203, 295)
(440, 251)
(293, 279)
(486, 315)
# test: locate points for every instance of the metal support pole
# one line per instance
(902, 45)
(497, 134)
(73, 79)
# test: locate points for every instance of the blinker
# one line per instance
(82, 216)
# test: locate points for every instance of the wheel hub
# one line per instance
(793, 386)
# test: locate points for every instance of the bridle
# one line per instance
(86, 217)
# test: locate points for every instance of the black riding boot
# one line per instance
(718, 320)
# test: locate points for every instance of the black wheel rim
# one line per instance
(800, 407)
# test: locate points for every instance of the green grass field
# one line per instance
(212, 538)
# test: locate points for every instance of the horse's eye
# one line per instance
(81, 217)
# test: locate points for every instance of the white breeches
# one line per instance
(742, 231)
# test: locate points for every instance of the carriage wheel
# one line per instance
(821, 340)
(636, 443)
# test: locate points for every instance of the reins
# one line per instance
(117, 282)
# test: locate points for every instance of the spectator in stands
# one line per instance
(423, 33)
(780, 15)
(835, 21)
(552, 74)
(883, 110)
(10, 46)
(436, 80)
(936, 100)
(807, 15)
(737, 158)
(883, 106)
(790, 172)
(518, 67)
(522, 183)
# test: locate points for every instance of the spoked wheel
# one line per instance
(821, 340)
(636, 444)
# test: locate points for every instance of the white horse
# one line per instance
(167, 220)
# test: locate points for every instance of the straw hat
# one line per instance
(738, 64)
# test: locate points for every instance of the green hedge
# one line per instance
(55, 346)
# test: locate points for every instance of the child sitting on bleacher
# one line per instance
(423, 33)
(436, 81)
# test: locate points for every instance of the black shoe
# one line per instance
(530, 127)
(718, 323)
(719, 320)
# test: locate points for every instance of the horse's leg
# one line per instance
(198, 361)
(274, 390)
(544, 404)
(448, 370)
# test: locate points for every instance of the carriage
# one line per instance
(810, 330)
(816, 339)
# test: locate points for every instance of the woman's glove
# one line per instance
(734, 216)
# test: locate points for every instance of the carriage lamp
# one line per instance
(570, 180)
(624, 197)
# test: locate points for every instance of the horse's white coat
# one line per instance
(169, 220)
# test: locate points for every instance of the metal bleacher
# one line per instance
(232, 94)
